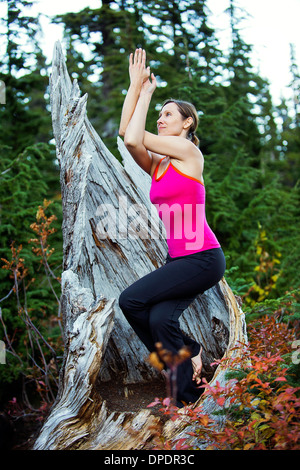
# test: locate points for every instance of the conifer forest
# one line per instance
(251, 149)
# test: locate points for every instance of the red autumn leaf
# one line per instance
(221, 401)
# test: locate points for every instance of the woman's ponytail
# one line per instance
(194, 138)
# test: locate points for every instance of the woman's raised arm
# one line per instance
(134, 135)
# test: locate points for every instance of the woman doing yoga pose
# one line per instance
(195, 261)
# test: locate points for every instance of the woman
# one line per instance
(195, 260)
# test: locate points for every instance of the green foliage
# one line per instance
(28, 174)
(24, 185)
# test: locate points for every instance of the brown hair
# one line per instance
(187, 110)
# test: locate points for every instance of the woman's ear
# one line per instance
(188, 122)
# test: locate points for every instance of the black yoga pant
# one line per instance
(154, 303)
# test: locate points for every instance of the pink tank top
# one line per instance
(180, 202)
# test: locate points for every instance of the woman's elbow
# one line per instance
(129, 141)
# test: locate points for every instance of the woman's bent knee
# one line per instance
(128, 302)
(123, 301)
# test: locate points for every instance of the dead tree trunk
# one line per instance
(111, 238)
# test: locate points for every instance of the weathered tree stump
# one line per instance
(111, 238)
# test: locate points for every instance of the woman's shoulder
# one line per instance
(193, 156)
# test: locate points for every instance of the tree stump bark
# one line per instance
(112, 237)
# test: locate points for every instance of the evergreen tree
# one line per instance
(28, 172)
(289, 113)
(288, 171)
(244, 85)
(23, 120)
(27, 158)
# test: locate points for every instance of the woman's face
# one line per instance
(171, 122)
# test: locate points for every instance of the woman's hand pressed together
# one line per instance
(138, 72)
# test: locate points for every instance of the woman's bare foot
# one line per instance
(197, 367)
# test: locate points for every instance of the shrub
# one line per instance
(260, 401)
